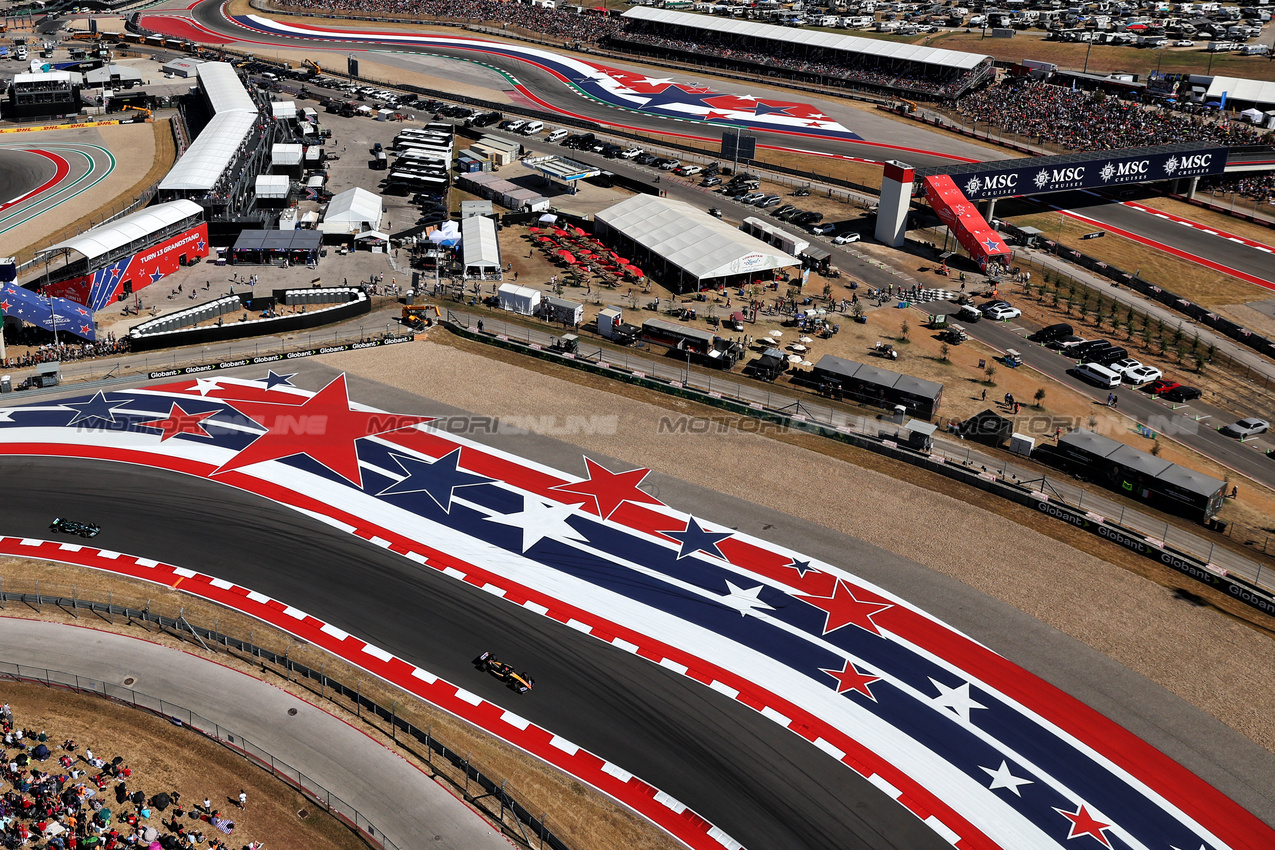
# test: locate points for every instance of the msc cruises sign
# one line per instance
(1102, 169)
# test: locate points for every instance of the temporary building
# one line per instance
(518, 299)
(352, 211)
(686, 248)
(480, 248)
(272, 186)
(556, 309)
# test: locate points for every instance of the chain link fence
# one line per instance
(190, 719)
(515, 815)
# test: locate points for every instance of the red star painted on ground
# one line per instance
(844, 609)
(850, 679)
(179, 422)
(323, 428)
(813, 124)
(715, 116)
(608, 490)
(1083, 823)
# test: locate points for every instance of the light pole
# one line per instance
(53, 319)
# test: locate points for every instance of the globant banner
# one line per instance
(1031, 177)
(276, 358)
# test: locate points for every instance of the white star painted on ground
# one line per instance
(1002, 777)
(6, 415)
(653, 81)
(204, 386)
(539, 519)
(957, 699)
(1172, 847)
(743, 600)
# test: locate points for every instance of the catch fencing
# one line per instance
(489, 794)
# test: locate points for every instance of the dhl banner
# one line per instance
(60, 126)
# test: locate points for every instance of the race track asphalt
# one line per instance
(20, 172)
(763, 785)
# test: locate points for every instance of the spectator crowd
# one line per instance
(830, 65)
(1081, 120)
(59, 798)
(587, 27)
(65, 350)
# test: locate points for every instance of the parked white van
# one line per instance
(532, 128)
(1098, 374)
(557, 135)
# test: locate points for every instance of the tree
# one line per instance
(904, 329)
(990, 372)
(1155, 446)
(827, 291)
(943, 352)
(1039, 396)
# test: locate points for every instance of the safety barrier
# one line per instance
(485, 792)
(1201, 569)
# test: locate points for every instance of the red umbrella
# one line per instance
(558, 231)
(566, 257)
(533, 229)
(619, 259)
(634, 270)
(577, 230)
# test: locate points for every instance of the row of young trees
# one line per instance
(1104, 312)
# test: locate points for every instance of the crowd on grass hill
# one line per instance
(1081, 120)
(59, 797)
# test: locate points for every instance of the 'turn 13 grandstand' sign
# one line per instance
(1099, 171)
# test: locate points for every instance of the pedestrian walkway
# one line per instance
(398, 799)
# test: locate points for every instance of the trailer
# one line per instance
(1142, 476)
(701, 346)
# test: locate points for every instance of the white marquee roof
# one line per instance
(1238, 88)
(273, 185)
(285, 154)
(694, 241)
(351, 209)
(478, 242)
(284, 108)
(105, 238)
(812, 38)
(211, 153)
(221, 85)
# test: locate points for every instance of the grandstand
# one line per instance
(220, 168)
(814, 55)
(114, 260)
(44, 94)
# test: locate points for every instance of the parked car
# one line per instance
(769, 201)
(969, 313)
(1250, 427)
(823, 229)
(632, 153)
(1181, 393)
(711, 180)
(1088, 347)
(1141, 374)
(847, 238)
(645, 158)
(1120, 366)
(1000, 312)
(1052, 333)
(1184, 42)
(670, 164)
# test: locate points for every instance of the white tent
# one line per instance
(352, 211)
(480, 247)
(518, 299)
(1253, 116)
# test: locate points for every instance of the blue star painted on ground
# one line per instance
(763, 108)
(273, 380)
(98, 407)
(437, 480)
(802, 567)
(695, 539)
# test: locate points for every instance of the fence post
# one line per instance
(75, 601)
(429, 736)
(37, 596)
(110, 606)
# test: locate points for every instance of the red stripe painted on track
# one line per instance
(1176, 252)
(61, 169)
(858, 755)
